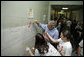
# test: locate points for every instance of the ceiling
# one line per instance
(70, 7)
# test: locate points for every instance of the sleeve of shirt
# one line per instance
(43, 26)
(59, 39)
(81, 43)
(37, 53)
(68, 52)
(56, 35)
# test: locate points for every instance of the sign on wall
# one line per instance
(30, 13)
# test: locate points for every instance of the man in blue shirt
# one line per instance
(49, 28)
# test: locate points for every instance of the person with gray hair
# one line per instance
(50, 29)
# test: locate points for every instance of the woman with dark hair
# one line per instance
(43, 48)
(65, 46)
(41, 44)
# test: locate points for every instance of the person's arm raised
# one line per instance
(53, 40)
(30, 52)
(37, 22)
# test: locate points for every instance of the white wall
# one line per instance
(15, 35)
(15, 40)
(13, 13)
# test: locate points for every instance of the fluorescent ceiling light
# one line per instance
(64, 8)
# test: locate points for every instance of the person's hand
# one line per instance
(28, 49)
(30, 23)
(33, 48)
(37, 22)
(45, 36)
(47, 33)
(30, 52)
(59, 48)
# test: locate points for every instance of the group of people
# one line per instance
(75, 28)
(60, 41)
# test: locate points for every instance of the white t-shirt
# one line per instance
(51, 52)
(66, 47)
(81, 44)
